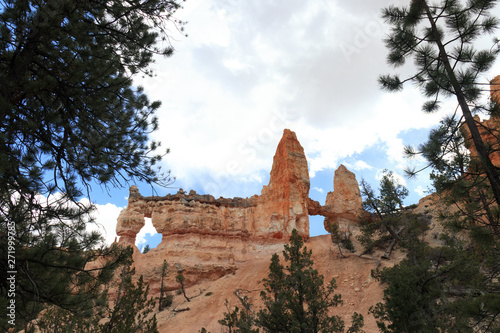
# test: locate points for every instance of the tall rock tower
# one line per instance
(283, 202)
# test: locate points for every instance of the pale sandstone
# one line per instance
(345, 201)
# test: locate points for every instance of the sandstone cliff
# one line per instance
(489, 129)
(206, 238)
(223, 246)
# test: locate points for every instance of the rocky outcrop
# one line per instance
(283, 203)
(281, 207)
(345, 201)
(207, 236)
(489, 129)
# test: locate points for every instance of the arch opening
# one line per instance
(148, 238)
(316, 225)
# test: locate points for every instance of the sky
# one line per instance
(249, 69)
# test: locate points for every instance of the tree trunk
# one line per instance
(387, 254)
(482, 152)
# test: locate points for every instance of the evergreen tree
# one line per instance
(295, 297)
(389, 221)
(239, 320)
(453, 286)
(441, 289)
(439, 36)
(70, 117)
(333, 229)
(341, 238)
(165, 298)
(131, 312)
(181, 278)
(456, 283)
(459, 180)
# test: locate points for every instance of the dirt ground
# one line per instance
(352, 274)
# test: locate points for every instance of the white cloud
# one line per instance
(358, 165)
(320, 190)
(148, 229)
(250, 69)
(105, 221)
(420, 190)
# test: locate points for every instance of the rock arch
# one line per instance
(283, 205)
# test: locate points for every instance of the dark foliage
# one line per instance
(439, 38)
(70, 117)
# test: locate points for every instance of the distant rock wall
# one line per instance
(489, 129)
(283, 205)
(206, 236)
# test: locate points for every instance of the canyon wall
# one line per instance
(283, 205)
(206, 236)
(489, 129)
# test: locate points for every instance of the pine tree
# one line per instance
(456, 283)
(389, 222)
(341, 238)
(295, 297)
(165, 298)
(70, 118)
(445, 288)
(181, 278)
(239, 320)
(131, 312)
(453, 285)
(439, 37)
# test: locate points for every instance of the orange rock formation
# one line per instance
(489, 128)
(207, 235)
(283, 205)
(207, 238)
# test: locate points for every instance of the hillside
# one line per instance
(358, 289)
(223, 246)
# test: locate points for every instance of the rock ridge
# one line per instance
(208, 236)
(282, 206)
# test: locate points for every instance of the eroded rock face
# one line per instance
(344, 203)
(346, 197)
(283, 203)
(489, 129)
(208, 235)
(280, 208)
(130, 222)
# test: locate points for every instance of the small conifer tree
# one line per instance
(130, 313)
(296, 298)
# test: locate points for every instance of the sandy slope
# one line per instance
(359, 291)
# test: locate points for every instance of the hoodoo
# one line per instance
(207, 238)
(283, 205)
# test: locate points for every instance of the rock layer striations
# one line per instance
(281, 207)
(204, 234)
